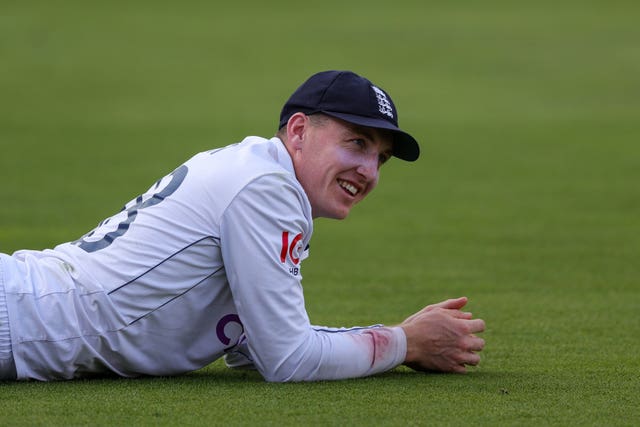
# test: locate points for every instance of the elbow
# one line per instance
(281, 375)
(290, 369)
(301, 362)
(276, 379)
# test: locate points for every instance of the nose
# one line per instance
(369, 169)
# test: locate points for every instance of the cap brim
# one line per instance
(405, 146)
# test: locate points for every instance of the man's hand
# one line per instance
(440, 337)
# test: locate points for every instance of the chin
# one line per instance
(336, 210)
(333, 214)
(339, 214)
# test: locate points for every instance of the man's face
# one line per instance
(338, 163)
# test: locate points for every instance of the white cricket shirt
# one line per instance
(205, 263)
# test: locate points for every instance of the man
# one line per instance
(206, 263)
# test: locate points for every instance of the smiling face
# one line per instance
(337, 163)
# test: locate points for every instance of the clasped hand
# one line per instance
(441, 338)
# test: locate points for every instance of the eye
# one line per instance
(383, 158)
(359, 142)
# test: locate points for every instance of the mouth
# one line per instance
(349, 188)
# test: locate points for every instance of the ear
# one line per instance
(296, 128)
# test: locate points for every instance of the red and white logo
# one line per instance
(291, 248)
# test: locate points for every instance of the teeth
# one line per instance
(350, 188)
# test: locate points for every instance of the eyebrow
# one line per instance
(368, 132)
(362, 130)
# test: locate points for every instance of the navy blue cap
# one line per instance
(354, 99)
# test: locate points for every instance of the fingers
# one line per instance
(459, 369)
(472, 343)
(442, 337)
(463, 360)
(455, 304)
(466, 347)
(471, 359)
(475, 325)
(467, 355)
(460, 314)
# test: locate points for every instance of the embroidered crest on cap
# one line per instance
(384, 106)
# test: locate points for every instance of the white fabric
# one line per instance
(7, 367)
(206, 262)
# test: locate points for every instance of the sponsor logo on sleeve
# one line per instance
(291, 250)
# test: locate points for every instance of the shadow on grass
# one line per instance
(218, 375)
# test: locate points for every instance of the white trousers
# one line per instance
(7, 365)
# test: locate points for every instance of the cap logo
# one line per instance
(384, 106)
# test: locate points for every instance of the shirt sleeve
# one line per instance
(263, 236)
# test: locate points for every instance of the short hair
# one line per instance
(316, 119)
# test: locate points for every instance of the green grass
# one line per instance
(526, 198)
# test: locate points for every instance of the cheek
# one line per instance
(322, 167)
(313, 180)
(373, 184)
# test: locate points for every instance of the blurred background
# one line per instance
(525, 198)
